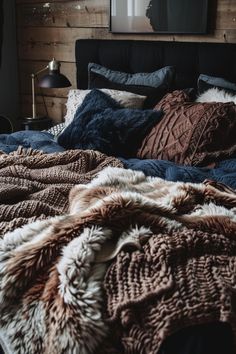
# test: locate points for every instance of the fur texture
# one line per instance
(102, 124)
(216, 95)
(51, 272)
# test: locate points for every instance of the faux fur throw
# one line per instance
(174, 251)
(34, 185)
(216, 95)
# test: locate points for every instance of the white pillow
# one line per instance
(125, 99)
(216, 95)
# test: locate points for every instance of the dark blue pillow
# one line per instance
(100, 123)
(153, 85)
(206, 82)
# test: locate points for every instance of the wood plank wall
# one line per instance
(49, 29)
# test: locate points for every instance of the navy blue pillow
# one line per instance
(154, 85)
(100, 123)
(206, 82)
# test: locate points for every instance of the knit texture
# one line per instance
(177, 280)
(191, 133)
(173, 247)
(35, 186)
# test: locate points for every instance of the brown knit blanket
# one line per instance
(34, 185)
(170, 249)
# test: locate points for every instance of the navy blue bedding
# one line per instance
(29, 139)
(224, 171)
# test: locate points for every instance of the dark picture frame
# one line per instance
(158, 16)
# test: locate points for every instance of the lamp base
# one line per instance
(36, 118)
(38, 123)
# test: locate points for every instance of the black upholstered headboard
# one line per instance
(190, 59)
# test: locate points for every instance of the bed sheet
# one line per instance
(38, 140)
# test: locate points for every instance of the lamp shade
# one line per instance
(54, 79)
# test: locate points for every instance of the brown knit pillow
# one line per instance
(191, 133)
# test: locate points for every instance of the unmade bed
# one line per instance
(122, 239)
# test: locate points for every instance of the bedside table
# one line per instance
(5, 126)
(36, 123)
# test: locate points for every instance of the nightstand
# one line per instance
(36, 123)
(6, 126)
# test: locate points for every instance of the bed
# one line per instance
(116, 252)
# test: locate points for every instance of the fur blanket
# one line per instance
(155, 235)
(35, 186)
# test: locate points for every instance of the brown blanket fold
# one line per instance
(173, 247)
(35, 186)
(177, 280)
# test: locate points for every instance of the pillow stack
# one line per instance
(125, 99)
(108, 117)
(102, 124)
(111, 120)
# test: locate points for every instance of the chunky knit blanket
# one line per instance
(34, 185)
(164, 252)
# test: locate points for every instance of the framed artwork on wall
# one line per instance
(158, 16)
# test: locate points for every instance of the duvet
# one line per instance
(224, 171)
(43, 141)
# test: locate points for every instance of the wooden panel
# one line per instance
(84, 13)
(55, 106)
(225, 15)
(28, 67)
(49, 29)
(46, 43)
(219, 36)
(41, 43)
(41, 1)
(45, 2)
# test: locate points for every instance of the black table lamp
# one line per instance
(54, 79)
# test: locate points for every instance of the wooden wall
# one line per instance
(9, 85)
(49, 29)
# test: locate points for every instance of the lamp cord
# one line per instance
(41, 93)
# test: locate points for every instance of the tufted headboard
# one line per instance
(190, 59)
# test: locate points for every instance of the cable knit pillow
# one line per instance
(191, 133)
(125, 99)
